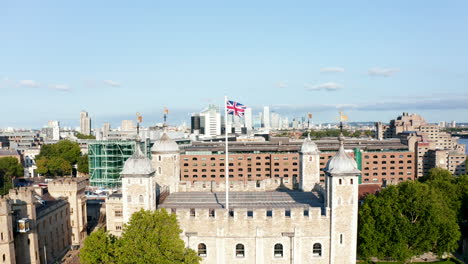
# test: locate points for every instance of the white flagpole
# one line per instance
(227, 155)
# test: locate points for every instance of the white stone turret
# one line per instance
(342, 203)
(166, 162)
(138, 184)
(7, 246)
(310, 165)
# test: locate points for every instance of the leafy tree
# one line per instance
(83, 164)
(406, 220)
(149, 237)
(58, 159)
(153, 237)
(83, 136)
(10, 167)
(55, 166)
(98, 248)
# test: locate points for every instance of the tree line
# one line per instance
(415, 217)
(58, 159)
(149, 237)
(10, 167)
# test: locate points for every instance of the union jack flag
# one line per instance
(235, 108)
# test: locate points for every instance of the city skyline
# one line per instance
(372, 60)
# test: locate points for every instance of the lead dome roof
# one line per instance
(342, 163)
(137, 164)
(309, 146)
(165, 144)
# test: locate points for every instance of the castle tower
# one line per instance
(166, 162)
(26, 244)
(7, 247)
(73, 189)
(138, 184)
(342, 202)
(310, 165)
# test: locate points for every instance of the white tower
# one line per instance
(138, 184)
(165, 160)
(310, 165)
(85, 123)
(342, 202)
(266, 117)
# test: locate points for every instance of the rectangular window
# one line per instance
(269, 213)
(306, 212)
(212, 212)
(250, 213)
(287, 213)
(192, 212)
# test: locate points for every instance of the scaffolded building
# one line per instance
(106, 160)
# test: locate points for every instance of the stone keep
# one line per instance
(166, 162)
(342, 203)
(138, 184)
(74, 191)
(7, 248)
(310, 165)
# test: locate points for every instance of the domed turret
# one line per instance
(309, 147)
(165, 145)
(342, 162)
(138, 163)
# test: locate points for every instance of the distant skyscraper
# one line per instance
(211, 121)
(85, 123)
(248, 119)
(266, 117)
(454, 124)
(275, 120)
(105, 130)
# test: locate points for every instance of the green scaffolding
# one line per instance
(106, 160)
(358, 158)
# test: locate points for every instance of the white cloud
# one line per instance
(281, 84)
(332, 70)
(329, 86)
(28, 83)
(382, 72)
(112, 83)
(60, 87)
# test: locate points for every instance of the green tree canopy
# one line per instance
(10, 167)
(98, 248)
(83, 136)
(406, 220)
(149, 237)
(58, 159)
(83, 164)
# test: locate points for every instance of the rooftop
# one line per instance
(287, 199)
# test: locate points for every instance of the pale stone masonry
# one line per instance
(51, 228)
(267, 221)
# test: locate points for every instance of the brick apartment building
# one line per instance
(380, 162)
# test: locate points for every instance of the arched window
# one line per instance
(278, 250)
(240, 250)
(159, 170)
(141, 198)
(351, 181)
(317, 250)
(4, 258)
(202, 250)
(339, 181)
(159, 157)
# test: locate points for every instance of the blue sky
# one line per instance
(372, 59)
